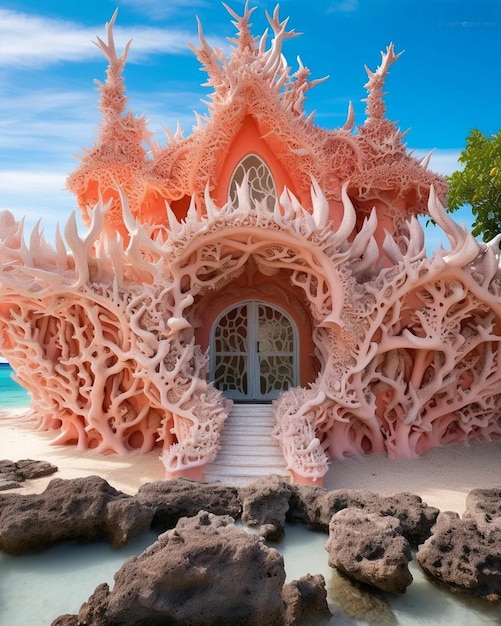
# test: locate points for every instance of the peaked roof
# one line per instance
(254, 79)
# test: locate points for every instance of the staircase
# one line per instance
(247, 448)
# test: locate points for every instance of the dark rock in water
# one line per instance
(265, 503)
(370, 548)
(205, 572)
(13, 473)
(82, 509)
(92, 612)
(306, 601)
(304, 506)
(67, 620)
(173, 499)
(315, 507)
(465, 553)
(356, 602)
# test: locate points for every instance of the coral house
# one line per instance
(260, 262)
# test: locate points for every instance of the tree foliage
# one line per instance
(479, 183)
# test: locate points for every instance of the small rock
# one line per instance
(82, 509)
(13, 473)
(173, 499)
(35, 469)
(306, 601)
(355, 602)
(465, 553)
(315, 507)
(7, 483)
(370, 548)
(265, 503)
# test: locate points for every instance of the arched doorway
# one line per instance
(254, 352)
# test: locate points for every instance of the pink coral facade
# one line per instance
(262, 259)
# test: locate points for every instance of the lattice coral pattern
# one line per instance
(254, 80)
(99, 328)
(109, 355)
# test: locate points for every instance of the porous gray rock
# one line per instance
(484, 507)
(465, 553)
(13, 473)
(81, 508)
(204, 572)
(356, 602)
(304, 506)
(265, 503)
(370, 548)
(315, 507)
(92, 612)
(174, 499)
(306, 601)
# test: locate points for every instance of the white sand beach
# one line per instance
(442, 477)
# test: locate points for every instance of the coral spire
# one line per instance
(113, 98)
(376, 108)
(244, 39)
(119, 152)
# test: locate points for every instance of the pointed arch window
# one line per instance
(261, 184)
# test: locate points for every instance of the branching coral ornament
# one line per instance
(402, 351)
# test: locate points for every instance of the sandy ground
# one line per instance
(442, 477)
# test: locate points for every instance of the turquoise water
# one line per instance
(66, 575)
(36, 588)
(12, 395)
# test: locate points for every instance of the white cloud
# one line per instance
(343, 6)
(443, 161)
(160, 9)
(36, 195)
(31, 183)
(31, 41)
(49, 120)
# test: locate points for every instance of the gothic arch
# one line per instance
(262, 187)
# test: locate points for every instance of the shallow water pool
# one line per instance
(35, 589)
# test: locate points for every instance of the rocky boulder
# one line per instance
(13, 473)
(370, 548)
(315, 507)
(356, 601)
(204, 572)
(265, 503)
(306, 601)
(484, 507)
(81, 509)
(173, 499)
(465, 553)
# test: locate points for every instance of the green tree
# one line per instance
(479, 183)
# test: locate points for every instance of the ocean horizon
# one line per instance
(12, 395)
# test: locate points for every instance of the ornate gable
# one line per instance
(256, 106)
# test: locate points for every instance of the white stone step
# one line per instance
(247, 449)
(251, 472)
(250, 422)
(235, 458)
(248, 439)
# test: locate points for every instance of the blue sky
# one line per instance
(446, 83)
